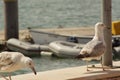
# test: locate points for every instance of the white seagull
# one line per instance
(12, 61)
(95, 48)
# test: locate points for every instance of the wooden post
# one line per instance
(11, 19)
(107, 57)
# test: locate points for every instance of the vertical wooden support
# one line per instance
(106, 17)
(11, 19)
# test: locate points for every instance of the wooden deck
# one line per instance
(74, 73)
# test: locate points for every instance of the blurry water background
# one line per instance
(52, 13)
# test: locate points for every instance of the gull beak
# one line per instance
(33, 69)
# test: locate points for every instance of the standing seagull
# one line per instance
(12, 61)
(96, 47)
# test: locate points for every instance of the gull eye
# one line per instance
(30, 64)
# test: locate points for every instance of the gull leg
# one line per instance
(10, 76)
(87, 65)
(102, 64)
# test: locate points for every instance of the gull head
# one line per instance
(99, 26)
(99, 31)
(29, 63)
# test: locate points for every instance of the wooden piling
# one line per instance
(106, 17)
(11, 19)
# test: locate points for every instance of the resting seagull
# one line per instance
(95, 48)
(12, 61)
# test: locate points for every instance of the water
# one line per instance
(52, 13)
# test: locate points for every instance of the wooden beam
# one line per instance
(11, 19)
(106, 17)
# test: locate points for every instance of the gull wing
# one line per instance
(7, 59)
(93, 48)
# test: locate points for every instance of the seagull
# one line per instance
(13, 61)
(95, 48)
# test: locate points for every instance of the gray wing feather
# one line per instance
(93, 48)
(8, 59)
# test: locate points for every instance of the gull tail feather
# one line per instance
(83, 55)
(80, 56)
